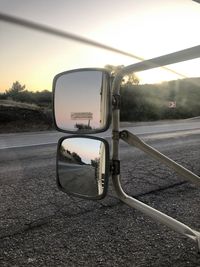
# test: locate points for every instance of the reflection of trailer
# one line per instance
(103, 99)
(101, 174)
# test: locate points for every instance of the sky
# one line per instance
(144, 28)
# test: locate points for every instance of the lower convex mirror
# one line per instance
(83, 166)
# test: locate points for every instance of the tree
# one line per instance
(14, 91)
(128, 79)
(19, 93)
(16, 88)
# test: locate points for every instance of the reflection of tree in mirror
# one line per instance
(82, 126)
(76, 157)
(71, 157)
(95, 163)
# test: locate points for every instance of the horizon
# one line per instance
(34, 58)
(160, 82)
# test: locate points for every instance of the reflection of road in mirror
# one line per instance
(80, 170)
(79, 179)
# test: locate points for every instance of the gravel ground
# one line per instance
(40, 226)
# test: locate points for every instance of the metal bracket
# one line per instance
(115, 167)
(134, 140)
(115, 135)
(116, 101)
(123, 135)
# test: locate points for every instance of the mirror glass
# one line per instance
(81, 101)
(81, 166)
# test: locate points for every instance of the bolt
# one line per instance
(123, 134)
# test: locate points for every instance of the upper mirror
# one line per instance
(82, 166)
(81, 101)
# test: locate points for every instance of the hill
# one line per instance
(18, 117)
(176, 99)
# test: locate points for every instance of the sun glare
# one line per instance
(184, 69)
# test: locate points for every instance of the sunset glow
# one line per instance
(146, 29)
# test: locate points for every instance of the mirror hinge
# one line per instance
(115, 167)
(115, 135)
(116, 101)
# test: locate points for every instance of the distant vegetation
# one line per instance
(19, 93)
(68, 156)
(23, 110)
(148, 102)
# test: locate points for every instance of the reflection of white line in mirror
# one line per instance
(81, 116)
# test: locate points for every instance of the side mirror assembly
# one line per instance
(81, 101)
(82, 104)
(83, 166)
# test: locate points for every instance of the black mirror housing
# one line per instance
(82, 101)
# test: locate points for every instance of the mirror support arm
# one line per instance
(155, 214)
(151, 212)
(115, 167)
(116, 101)
(134, 140)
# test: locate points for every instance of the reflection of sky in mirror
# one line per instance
(78, 92)
(86, 148)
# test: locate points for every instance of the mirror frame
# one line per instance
(107, 167)
(109, 107)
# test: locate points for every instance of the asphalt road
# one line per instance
(140, 128)
(41, 226)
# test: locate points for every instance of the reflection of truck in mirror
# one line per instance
(101, 176)
(103, 101)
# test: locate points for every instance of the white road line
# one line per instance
(29, 145)
(141, 135)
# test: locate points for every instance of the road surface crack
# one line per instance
(46, 220)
